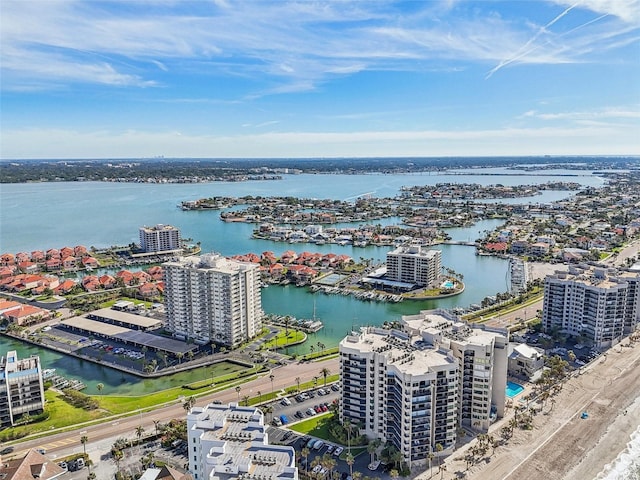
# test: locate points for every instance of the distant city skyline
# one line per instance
(227, 79)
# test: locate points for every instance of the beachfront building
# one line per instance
(596, 304)
(210, 298)
(160, 238)
(21, 388)
(415, 387)
(414, 264)
(230, 442)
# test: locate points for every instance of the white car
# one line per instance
(338, 451)
(286, 401)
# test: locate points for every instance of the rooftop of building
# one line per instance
(595, 276)
(243, 451)
(211, 261)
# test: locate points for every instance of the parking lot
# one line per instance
(297, 410)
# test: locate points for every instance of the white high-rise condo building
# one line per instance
(160, 238)
(231, 443)
(21, 388)
(416, 386)
(213, 299)
(414, 264)
(597, 304)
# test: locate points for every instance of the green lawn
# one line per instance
(283, 339)
(61, 414)
(318, 426)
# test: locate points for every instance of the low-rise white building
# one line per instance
(230, 442)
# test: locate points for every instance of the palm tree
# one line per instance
(324, 372)
(267, 409)
(271, 377)
(350, 461)
(443, 468)
(311, 349)
(100, 386)
(315, 382)
(259, 396)
(139, 432)
(117, 456)
(287, 321)
(156, 425)
(347, 427)
(83, 440)
(305, 453)
(189, 403)
(394, 474)
(179, 355)
(298, 383)
(439, 449)
(238, 388)
(245, 399)
(372, 447)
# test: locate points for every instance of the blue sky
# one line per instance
(95, 79)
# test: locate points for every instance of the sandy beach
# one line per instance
(563, 446)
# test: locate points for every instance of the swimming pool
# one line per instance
(447, 284)
(513, 389)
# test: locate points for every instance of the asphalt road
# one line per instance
(65, 443)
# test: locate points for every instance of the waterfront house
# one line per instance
(126, 276)
(6, 272)
(38, 256)
(107, 281)
(148, 290)
(89, 262)
(53, 253)
(65, 287)
(28, 267)
(22, 257)
(155, 272)
(66, 252)
(69, 263)
(53, 264)
(7, 259)
(25, 315)
(80, 251)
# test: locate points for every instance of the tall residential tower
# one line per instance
(416, 387)
(213, 299)
(21, 388)
(599, 305)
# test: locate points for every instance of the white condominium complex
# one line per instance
(212, 299)
(415, 387)
(231, 443)
(160, 238)
(21, 388)
(597, 304)
(414, 264)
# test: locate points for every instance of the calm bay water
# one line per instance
(52, 215)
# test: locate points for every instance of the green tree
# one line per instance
(325, 372)
(83, 440)
(189, 403)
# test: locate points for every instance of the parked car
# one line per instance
(285, 401)
(284, 419)
(310, 411)
(338, 451)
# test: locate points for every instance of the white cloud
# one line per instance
(618, 113)
(583, 140)
(297, 44)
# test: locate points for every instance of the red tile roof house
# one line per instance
(65, 287)
(268, 258)
(22, 257)
(66, 252)
(90, 283)
(288, 257)
(53, 253)
(80, 251)
(6, 272)
(53, 264)
(28, 267)
(107, 281)
(148, 290)
(141, 278)
(155, 272)
(27, 315)
(6, 305)
(89, 262)
(70, 263)
(37, 256)
(7, 259)
(126, 276)
(24, 282)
